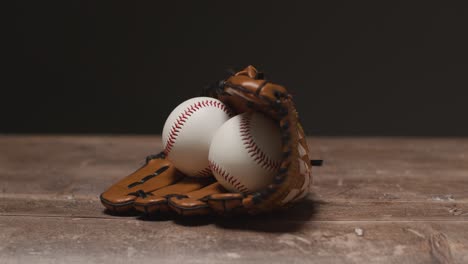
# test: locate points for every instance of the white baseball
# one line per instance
(188, 132)
(245, 153)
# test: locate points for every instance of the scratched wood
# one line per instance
(375, 200)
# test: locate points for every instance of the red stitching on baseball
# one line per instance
(204, 173)
(228, 177)
(183, 117)
(252, 148)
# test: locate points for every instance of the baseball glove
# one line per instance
(158, 187)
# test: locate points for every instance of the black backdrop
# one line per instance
(398, 68)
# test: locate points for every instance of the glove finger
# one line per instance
(155, 174)
(194, 203)
(156, 201)
(227, 203)
(258, 91)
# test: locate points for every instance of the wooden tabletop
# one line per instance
(375, 200)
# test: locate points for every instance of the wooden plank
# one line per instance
(69, 165)
(309, 210)
(80, 240)
(360, 180)
(403, 169)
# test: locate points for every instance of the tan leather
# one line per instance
(223, 203)
(244, 91)
(155, 174)
(194, 203)
(157, 200)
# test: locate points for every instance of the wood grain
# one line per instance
(375, 200)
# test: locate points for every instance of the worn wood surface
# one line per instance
(375, 200)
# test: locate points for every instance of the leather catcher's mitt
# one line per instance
(159, 187)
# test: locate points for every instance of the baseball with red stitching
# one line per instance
(245, 152)
(188, 132)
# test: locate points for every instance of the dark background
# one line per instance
(398, 68)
